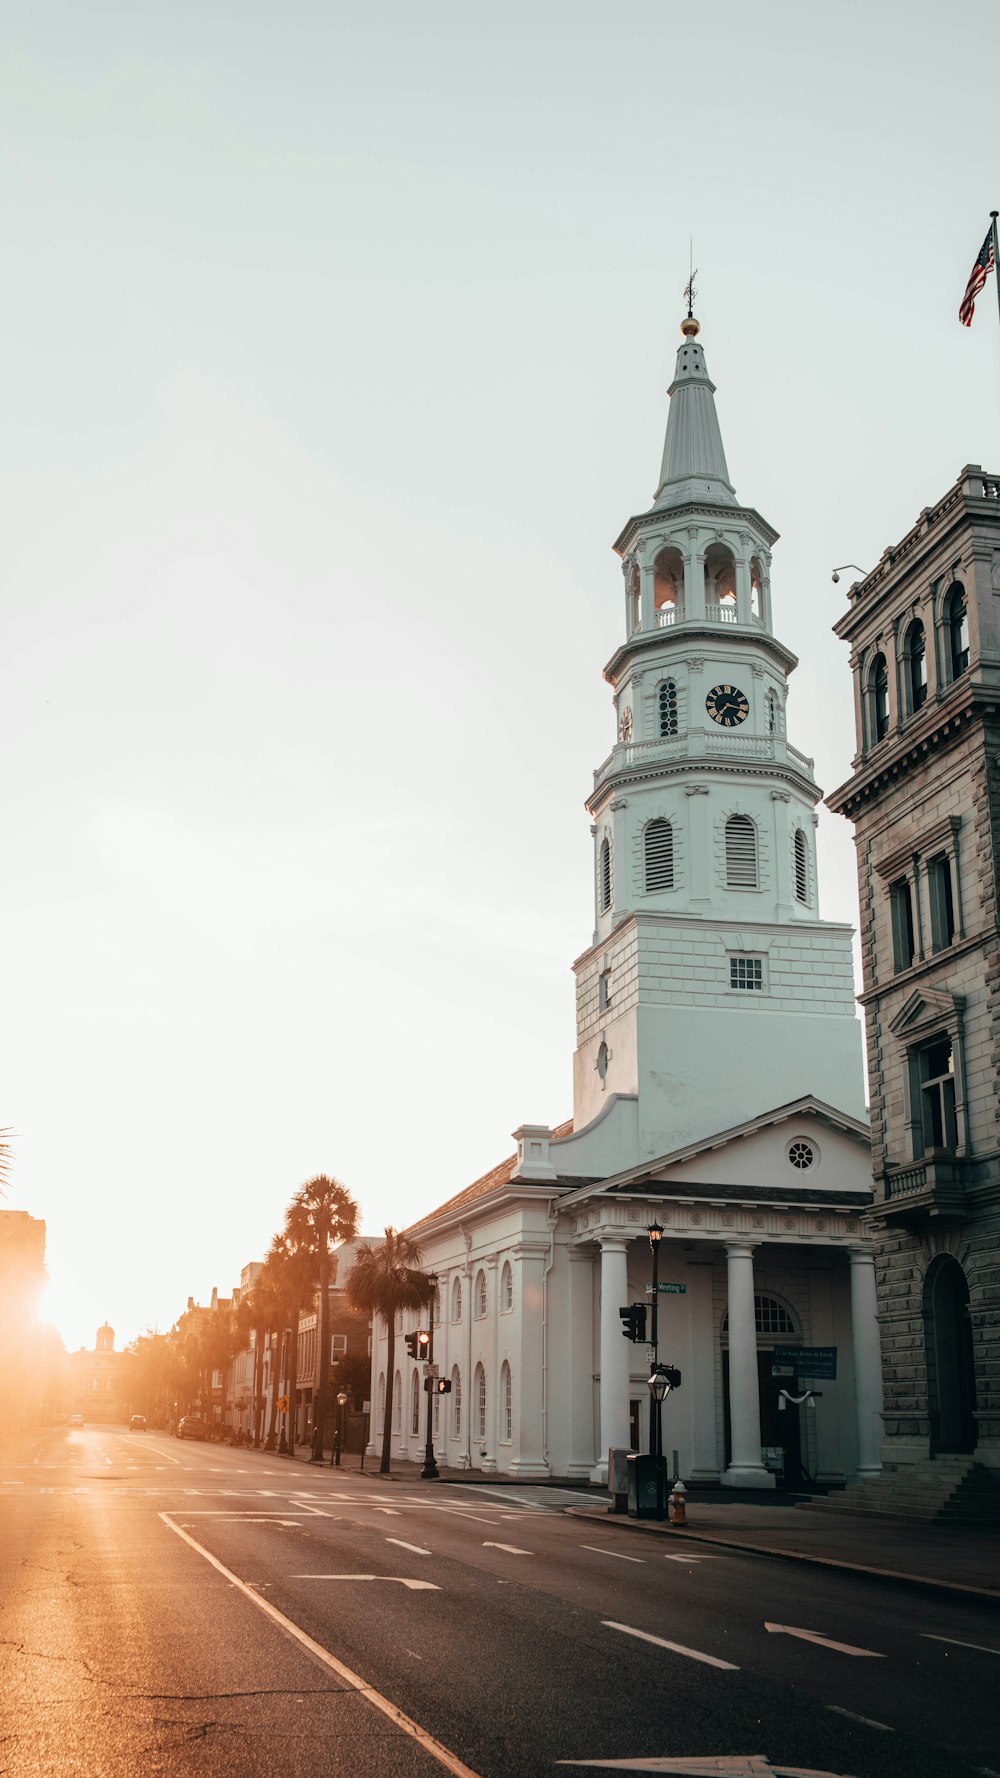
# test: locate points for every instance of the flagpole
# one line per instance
(996, 254)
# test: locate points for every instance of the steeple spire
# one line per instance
(694, 462)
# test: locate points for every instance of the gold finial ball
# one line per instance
(690, 328)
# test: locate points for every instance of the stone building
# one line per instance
(717, 1081)
(98, 1379)
(924, 797)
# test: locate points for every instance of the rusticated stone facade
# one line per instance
(924, 796)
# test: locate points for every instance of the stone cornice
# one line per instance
(710, 1217)
(717, 513)
(707, 636)
(721, 765)
(886, 764)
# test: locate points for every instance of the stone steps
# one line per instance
(947, 1491)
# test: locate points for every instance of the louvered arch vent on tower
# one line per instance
(741, 853)
(658, 845)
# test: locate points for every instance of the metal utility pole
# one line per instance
(429, 1473)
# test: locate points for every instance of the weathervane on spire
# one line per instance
(689, 326)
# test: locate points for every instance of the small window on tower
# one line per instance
(658, 842)
(747, 974)
(604, 877)
(801, 866)
(604, 990)
(668, 708)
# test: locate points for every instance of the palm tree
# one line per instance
(382, 1281)
(321, 1213)
(296, 1276)
(265, 1313)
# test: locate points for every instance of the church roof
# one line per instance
(498, 1176)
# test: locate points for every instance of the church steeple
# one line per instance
(694, 462)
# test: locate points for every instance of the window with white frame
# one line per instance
(506, 1289)
(456, 1300)
(942, 900)
(741, 853)
(456, 1403)
(878, 699)
(397, 1403)
(747, 974)
(957, 625)
(481, 1297)
(932, 1073)
(506, 1404)
(415, 1403)
(658, 855)
(479, 1399)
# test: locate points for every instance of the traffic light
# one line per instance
(423, 1342)
(413, 1344)
(634, 1322)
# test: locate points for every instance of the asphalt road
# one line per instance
(190, 1609)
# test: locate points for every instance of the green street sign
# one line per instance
(671, 1289)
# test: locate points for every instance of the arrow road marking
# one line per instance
(598, 1551)
(397, 1580)
(677, 1648)
(415, 1547)
(842, 1648)
(397, 1717)
(980, 1647)
(751, 1765)
(511, 1548)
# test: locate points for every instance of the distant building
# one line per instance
(98, 1379)
(25, 1386)
(924, 797)
(350, 1334)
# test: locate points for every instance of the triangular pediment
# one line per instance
(927, 1009)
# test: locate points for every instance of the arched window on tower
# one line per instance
(801, 852)
(756, 590)
(878, 699)
(916, 666)
(957, 620)
(720, 584)
(771, 713)
(668, 709)
(668, 587)
(741, 853)
(658, 850)
(604, 877)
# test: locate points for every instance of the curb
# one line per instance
(920, 1582)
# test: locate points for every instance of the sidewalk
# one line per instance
(963, 1560)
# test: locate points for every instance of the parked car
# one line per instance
(137, 1423)
(192, 1426)
(76, 1419)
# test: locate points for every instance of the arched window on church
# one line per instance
(658, 846)
(456, 1402)
(741, 853)
(604, 877)
(878, 699)
(668, 708)
(397, 1403)
(957, 620)
(506, 1289)
(481, 1297)
(456, 1300)
(668, 587)
(415, 1403)
(506, 1404)
(801, 866)
(916, 666)
(479, 1401)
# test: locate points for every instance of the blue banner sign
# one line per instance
(807, 1361)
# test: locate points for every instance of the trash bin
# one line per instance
(618, 1479)
(647, 1486)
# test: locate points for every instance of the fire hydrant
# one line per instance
(677, 1509)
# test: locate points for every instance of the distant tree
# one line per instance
(382, 1281)
(6, 1158)
(321, 1213)
(353, 1373)
(296, 1273)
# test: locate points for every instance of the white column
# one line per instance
(615, 1351)
(580, 1364)
(867, 1362)
(745, 1467)
(647, 616)
(491, 1365)
(525, 1336)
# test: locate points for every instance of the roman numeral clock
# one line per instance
(727, 705)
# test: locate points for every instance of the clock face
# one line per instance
(727, 705)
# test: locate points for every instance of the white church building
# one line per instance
(717, 1079)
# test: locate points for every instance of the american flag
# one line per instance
(985, 264)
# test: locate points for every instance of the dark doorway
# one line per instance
(951, 1375)
(778, 1427)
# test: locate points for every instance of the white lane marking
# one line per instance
(690, 1558)
(395, 1580)
(979, 1646)
(390, 1511)
(677, 1648)
(598, 1551)
(869, 1721)
(750, 1765)
(511, 1549)
(841, 1648)
(415, 1547)
(428, 1742)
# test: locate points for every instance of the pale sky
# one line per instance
(334, 357)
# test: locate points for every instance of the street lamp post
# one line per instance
(338, 1437)
(429, 1473)
(655, 1233)
(283, 1446)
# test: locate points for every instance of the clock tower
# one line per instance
(712, 989)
